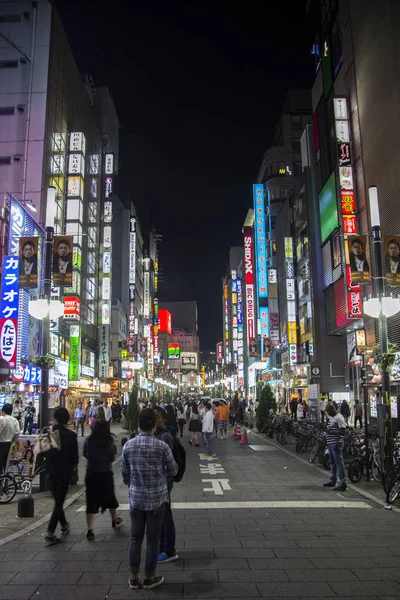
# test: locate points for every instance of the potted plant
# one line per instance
(266, 407)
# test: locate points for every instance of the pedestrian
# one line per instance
(171, 420)
(9, 430)
(99, 452)
(168, 535)
(345, 411)
(29, 415)
(293, 408)
(114, 412)
(59, 467)
(79, 418)
(146, 465)
(223, 416)
(17, 412)
(358, 413)
(107, 412)
(304, 409)
(180, 412)
(118, 411)
(194, 424)
(334, 438)
(93, 412)
(100, 416)
(207, 427)
(322, 408)
(215, 419)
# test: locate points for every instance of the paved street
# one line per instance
(251, 522)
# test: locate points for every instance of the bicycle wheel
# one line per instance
(315, 450)
(394, 492)
(8, 489)
(390, 476)
(301, 445)
(355, 471)
(284, 437)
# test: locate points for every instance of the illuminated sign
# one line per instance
(261, 251)
(106, 262)
(109, 164)
(75, 187)
(72, 308)
(108, 187)
(165, 321)
(288, 247)
(219, 352)
(173, 351)
(146, 295)
(76, 164)
(249, 283)
(106, 288)
(74, 353)
(9, 310)
(77, 142)
(189, 359)
(272, 276)
(132, 255)
(104, 353)
(58, 375)
(107, 212)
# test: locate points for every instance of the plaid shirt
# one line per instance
(146, 463)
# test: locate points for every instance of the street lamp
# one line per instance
(381, 307)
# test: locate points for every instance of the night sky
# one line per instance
(198, 90)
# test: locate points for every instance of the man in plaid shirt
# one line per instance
(146, 464)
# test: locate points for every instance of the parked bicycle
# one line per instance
(18, 481)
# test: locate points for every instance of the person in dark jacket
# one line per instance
(168, 535)
(100, 454)
(171, 422)
(59, 467)
(345, 411)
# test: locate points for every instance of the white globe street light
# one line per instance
(42, 308)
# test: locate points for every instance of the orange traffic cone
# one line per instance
(234, 432)
(244, 439)
(238, 433)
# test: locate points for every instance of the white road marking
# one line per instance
(217, 486)
(208, 457)
(315, 504)
(212, 469)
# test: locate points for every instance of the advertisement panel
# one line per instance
(359, 266)
(164, 321)
(189, 360)
(63, 260)
(173, 351)
(104, 355)
(28, 262)
(219, 352)
(261, 251)
(392, 259)
(72, 308)
(58, 375)
(74, 353)
(9, 310)
(249, 284)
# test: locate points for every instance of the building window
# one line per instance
(7, 110)
(5, 160)
(8, 64)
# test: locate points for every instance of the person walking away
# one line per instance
(168, 534)
(194, 424)
(114, 412)
(59, 467)
(334, 439)
(181, 418)
(9, 430)
(215, 420)
(223, 417)
(207, 427)
(79, 418)
(29, 416)
(358, 413)
(93, 410)
(118, 411)
(99, 480)
(17, 412)
(146, 464)
(345, 411)
(107, 413)
(293, 408)
(171, 422)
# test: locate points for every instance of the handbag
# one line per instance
(48, 442)
(91, 420)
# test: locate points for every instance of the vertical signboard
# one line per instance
(9, 310)
(249, 286)
(74, 353)
(291, 301)
(104, 355)
(261, 250)
(234, 322)
(240, 346)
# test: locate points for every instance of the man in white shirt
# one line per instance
(107, 412)
(9, 429)
(208, 426)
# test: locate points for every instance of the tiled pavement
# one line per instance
(347, 549)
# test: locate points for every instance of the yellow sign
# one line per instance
(225, 292)
(288, 247)
(292, 333)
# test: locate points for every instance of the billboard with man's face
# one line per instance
(359, 266)
(62, 260)
(392, 259)
(28, 262)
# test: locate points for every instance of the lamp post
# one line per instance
(381, 307)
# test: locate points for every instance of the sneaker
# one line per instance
(149, 584)
(65, 529)
(117, 522)
(90, 536)
(51, 539)
(164, 558)
(340, 488)
(329, 484)
(134, 584)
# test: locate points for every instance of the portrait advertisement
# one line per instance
(21, 457)
(392, 259)
(62, 260)
(28, 262)
(359, 266)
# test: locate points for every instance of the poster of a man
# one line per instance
(358, 261)
(62, 261)
(28, 262)
(392, 260)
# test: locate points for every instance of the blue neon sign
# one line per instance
(261, 250)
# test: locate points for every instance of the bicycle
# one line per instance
(11, 483)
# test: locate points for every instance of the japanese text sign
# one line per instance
(259, 230)
(9, 310)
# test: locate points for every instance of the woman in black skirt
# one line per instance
(194, 424)
(99, 480)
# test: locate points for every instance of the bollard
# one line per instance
(26, 507)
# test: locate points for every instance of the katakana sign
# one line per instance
(9, 310)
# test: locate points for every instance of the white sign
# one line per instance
(272, 276)
(340, 108)
(105, 314)
(346, 178)
(342, 131)
(107, 237)
(250, 310)
(106, 288)
(104, 353)
(290, 289)
(132, 259)
(292, 354)
(109, 164)
(146, 331)
(189, 359)
(291, 310)
(76, 164)
(107, 262)
(107, 211)
(89, 371)
(75, 186)
(94, 164)
(58, 375)
(77, 142)
(146, 295)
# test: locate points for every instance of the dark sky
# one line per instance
(198, 88)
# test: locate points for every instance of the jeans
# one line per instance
(357, 419)
(167, 537)
(59, 488)
(80, 423)
(337, 463)
(152, 521)
(28, 424)
(4, 450)
(207, 437)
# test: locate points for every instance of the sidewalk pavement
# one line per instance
(251, 521)
(10, 524)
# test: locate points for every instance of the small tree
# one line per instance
(132, 411)
(266, 406)
(218, 392)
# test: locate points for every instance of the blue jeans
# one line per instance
(337, 462)
(151, 521)
(207, 436)
(167, 537)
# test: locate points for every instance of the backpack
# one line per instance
(179, 454)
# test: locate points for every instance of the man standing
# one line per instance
(168, 535)
(334, 439)
(358, 413)
(59, 467)
(107, 412)
(9, 429)
(293, 408)
(223, 418)
(79, 418)
(29, 415)
(208, 425)
(146, 465)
